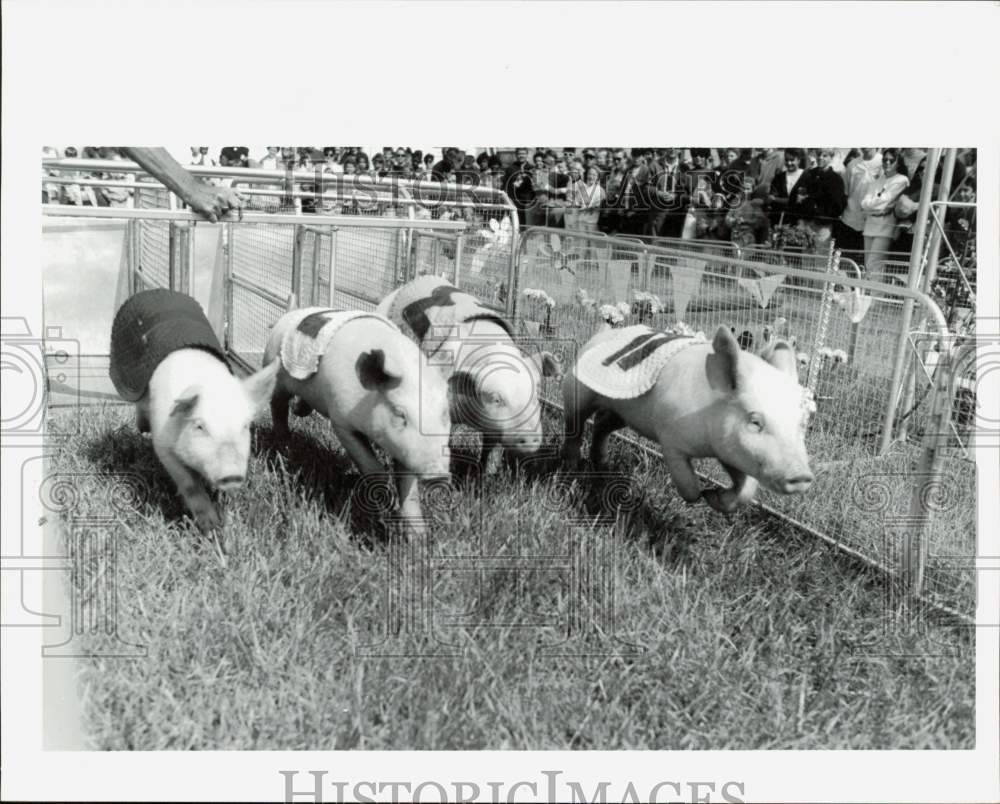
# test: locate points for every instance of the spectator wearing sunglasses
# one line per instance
(878, 203)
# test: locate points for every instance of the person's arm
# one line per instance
(878, 201)
(208, 201)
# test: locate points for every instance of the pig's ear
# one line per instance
(462, 383)
(782, 357)
(259, 386)
(185, 403)
(548, 364)
(722, 366)
(375, 372)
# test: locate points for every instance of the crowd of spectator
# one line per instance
(864, 198)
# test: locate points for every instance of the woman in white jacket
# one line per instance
(878, 204)
(585, 199)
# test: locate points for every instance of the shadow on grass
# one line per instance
(330, 476)
(124, 450)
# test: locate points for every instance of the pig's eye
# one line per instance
(199, 427)
(399, 415)
(755, 422)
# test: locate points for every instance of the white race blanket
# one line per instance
(627, 365)
(308, 333)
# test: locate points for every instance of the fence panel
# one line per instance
(152, 269)
(852, 367)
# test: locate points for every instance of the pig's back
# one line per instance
(180, 370)
(335, 388)
(674, 411)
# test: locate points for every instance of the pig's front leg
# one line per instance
(578, 405)
(490, 442)
(685, 480)
(408, 489)
(726, 501)
(142, 415)
(206, 513)
(360, 449)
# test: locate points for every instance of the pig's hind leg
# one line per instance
(727, 501)
(579, 403)
(605, 423)
(279, 412)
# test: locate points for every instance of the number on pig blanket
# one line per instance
(638, 350)
(415, 313)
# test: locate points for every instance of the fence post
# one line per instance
(923, 494)
(130, 227)
(459, 244)
(332, 284)
(916, 254)
(297, 274)
(317, 245)
(930, 272)
(184, 258)
(826, 305)
(515, 247)
(228, 311)
(297, 245)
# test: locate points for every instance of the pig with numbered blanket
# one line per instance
(166, 358)
(374, 386)
(494, 386)
(697, 400)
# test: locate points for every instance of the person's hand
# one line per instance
(213, 202)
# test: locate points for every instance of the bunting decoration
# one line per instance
(762, 289)
(685, 280)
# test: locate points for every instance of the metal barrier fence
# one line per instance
(489, 220)
(846, 330)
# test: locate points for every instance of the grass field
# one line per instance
(680, 629)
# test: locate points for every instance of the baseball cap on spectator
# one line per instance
(702, 152)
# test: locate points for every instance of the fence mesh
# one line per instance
(152, 240)
(852, 364)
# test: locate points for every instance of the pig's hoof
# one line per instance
(719, 501)
(210, 518)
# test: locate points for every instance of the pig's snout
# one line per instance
(524, 443)
(230, 482)
(797, 484)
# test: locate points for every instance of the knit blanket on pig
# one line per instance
(147, 328)
(628, 363)
(307, 334)
(429, 308)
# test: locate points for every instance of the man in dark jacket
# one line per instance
(517, 183)
(819, 197)
(447, 165)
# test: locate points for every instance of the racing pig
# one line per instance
(166, 358)
(697, 400)
(374, 386)
(494, 386)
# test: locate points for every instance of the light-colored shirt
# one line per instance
(858, 179)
